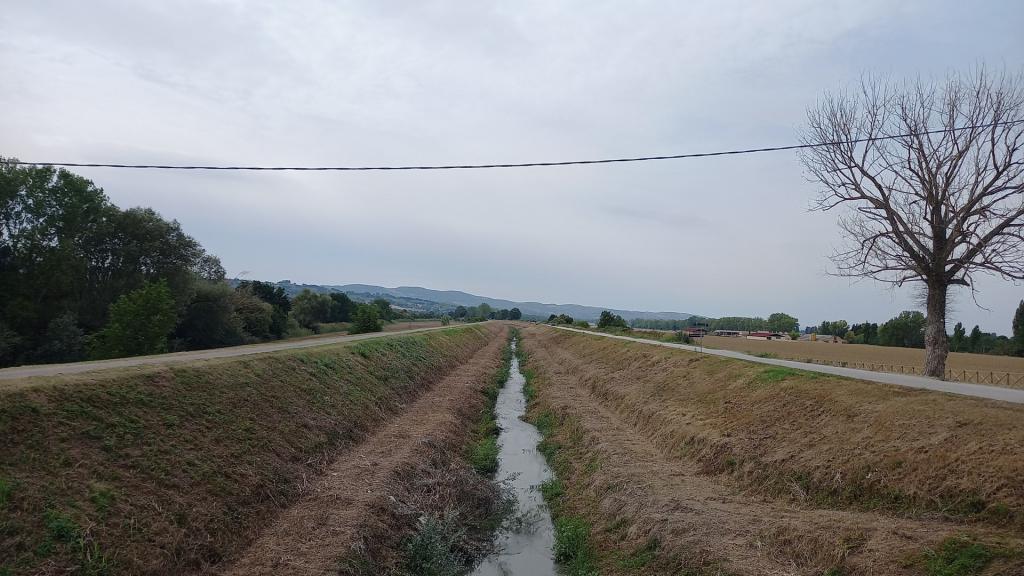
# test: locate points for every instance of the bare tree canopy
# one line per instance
(936, 208)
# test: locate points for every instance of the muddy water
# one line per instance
(525, 548)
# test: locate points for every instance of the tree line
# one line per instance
(84, 279)
(485, 311)
(907, 330)
(776, 322)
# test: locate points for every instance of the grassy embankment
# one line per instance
(1006, 371)
(862, 477)
(173, 469)
(453, 532)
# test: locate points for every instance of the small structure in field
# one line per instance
(813, 337)
(728, 333)
(695, 332)
(762, 335)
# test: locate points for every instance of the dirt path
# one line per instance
(161, 359)
(975, 390)
(310, 537)
(710, 519)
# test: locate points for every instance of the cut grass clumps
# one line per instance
(176, 467)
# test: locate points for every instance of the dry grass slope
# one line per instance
(171, 470)
(721, 464)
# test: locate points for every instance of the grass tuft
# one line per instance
(573, 549)
(432, 550)
(958, 556)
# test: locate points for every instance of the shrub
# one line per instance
(431, 550)
(366, 319)
(139, 323)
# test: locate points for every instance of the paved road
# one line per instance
(976, 390)
(78, 367)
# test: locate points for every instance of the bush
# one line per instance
(432, 549)
(140, 322)
(366, 320)
(581, 324)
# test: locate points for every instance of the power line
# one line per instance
(516, 165)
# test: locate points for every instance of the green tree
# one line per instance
(780, 322)
(140, 322)
(367, 319)
(459, 312)
(255, 316)
(209, 320)
(64, 248)
(610, 320)
(956, 342)
(310, 309)
(974, 340)
(484, 310)
(1018, 330)
(277, 298)
(515, 314)
(64, 341)
(384, 309)
(342, 308)
(905, 330)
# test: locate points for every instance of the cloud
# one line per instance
(323, 82)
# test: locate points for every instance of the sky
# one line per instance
(310, 82)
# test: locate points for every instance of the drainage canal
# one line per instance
(525, 547)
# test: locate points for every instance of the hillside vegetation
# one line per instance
(171, 470)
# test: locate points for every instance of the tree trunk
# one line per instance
(936, 343)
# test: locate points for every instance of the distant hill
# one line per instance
(425, 299)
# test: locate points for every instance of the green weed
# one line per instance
(101, 496)
(432, 549)
(573, 549)
(6, 489)
(775, 374)
(958, 556)
(484, 456)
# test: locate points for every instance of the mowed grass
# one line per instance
(170, 470)
(824, 440)
(806, 443)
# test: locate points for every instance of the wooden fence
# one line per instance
(1006, 379)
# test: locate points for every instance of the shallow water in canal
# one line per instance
(524, 549)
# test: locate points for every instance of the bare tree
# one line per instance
(932, 176)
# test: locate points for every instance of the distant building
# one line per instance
(767, 336)
(728, 333)
(695, 332)
(814, 337)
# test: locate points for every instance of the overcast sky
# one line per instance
(356, 83)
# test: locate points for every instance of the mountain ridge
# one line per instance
(416, 297)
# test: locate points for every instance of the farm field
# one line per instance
(958, 362)
(672, 462)
(216, 467)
